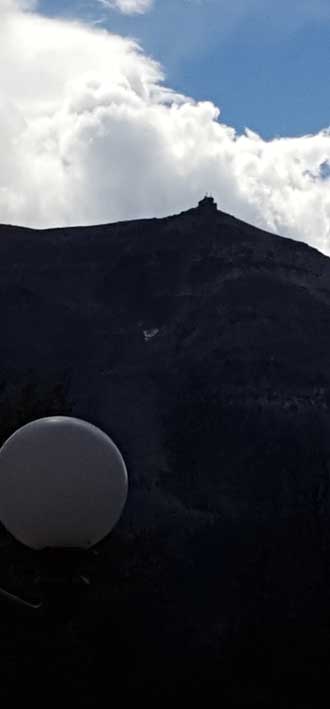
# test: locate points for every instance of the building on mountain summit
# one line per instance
(207, 204)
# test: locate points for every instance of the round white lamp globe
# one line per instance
(63, 483)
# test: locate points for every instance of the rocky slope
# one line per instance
(201, 345)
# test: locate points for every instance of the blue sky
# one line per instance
(266, 65)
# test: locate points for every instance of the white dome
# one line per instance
(63, 483)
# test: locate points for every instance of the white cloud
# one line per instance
(88, 133)
(128, 7)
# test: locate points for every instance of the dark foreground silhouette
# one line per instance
(201, 346)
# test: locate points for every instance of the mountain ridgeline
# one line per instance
(201, 345)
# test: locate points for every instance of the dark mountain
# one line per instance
(201, 345)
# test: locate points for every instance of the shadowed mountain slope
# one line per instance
(201, 345)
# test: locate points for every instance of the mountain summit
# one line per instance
(201, 345)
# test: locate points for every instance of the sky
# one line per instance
(122, 109)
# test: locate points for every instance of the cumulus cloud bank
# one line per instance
(90, 134)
